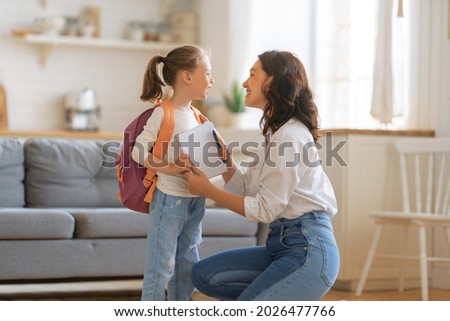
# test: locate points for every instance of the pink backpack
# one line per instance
(137, 183)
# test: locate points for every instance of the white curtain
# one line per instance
(241, 38)
(343, 54)
(345, 47)
(382, 96)
(406, 83)
(391, 66)
(426, 63)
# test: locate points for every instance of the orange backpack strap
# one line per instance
(165, 132)
(199, 116)
(160, 146)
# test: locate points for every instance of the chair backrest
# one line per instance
(425, 174)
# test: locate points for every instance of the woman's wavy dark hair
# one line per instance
(288, 94)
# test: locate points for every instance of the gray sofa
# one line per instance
(60, 217)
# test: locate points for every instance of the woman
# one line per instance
(286, 187)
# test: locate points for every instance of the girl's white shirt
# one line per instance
(184, 120)
(286, 178)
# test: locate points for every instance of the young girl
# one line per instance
(293, 194)
(174, 231)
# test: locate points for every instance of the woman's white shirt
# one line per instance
(184, 120)
(285, 179)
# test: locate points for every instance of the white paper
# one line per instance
(200, 145)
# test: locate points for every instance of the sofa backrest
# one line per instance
(69, 173)
(12, 192)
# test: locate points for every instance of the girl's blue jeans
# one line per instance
(174, 235)
(299, 262)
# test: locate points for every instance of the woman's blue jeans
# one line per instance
(299, 262)
(174, 234)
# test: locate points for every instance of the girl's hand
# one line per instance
(197, 182)
(180, 166)
(184, 161)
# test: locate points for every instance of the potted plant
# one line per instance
(235, 105)
(235, 101)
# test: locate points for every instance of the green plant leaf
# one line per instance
(235, 101)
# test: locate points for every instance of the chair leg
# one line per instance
(423, 262)
(404, 249)
(369, 259)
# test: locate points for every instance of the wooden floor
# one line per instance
(129, 290)
(409, 295)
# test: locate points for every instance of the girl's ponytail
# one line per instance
(152, 85)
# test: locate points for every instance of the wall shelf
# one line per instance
(49, 42)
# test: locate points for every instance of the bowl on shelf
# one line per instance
(50, 25)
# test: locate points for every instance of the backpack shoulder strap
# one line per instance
(160, 146)
(199, 116)
(165, 132)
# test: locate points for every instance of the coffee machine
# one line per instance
(82, 112)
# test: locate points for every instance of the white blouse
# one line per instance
(286, 178)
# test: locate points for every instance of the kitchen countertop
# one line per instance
(409, 132)
(63, 134)
(118, 135)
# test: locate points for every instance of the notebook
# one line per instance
(201, 146)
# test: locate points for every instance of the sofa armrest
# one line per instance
(261, 236)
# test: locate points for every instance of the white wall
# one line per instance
(35, 93)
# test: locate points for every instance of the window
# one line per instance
(346, 36)
(344, 58)
(336, 41)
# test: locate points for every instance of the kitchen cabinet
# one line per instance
(364, 171)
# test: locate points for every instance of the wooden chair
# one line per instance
(425, 175)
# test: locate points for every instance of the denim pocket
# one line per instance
(292, 237)
(330, 267)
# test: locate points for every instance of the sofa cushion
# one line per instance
(69, 173)
(109, 223)
(32, 224)
(223, 222)
(117, 222)
(12, 193)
